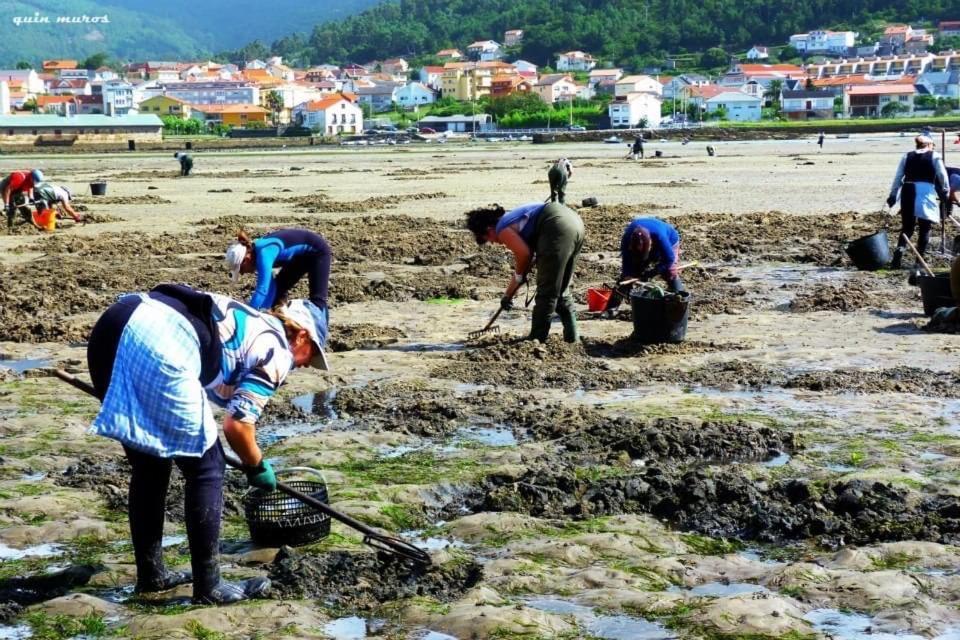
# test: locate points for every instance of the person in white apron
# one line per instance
(921, 184)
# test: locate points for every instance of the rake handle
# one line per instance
(386, 543)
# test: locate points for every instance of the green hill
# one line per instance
(620, 31)
(152, 29)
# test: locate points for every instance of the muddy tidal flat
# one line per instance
(789, 471)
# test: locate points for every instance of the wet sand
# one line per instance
(789, 471)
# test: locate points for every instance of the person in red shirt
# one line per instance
(17, 184)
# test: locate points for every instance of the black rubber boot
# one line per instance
(897, 261)
(568, 319)
(152, 576)
(209, 588)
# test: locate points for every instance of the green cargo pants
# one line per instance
(558, 240)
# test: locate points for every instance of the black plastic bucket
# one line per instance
(658, 320)
(98, 188)
(936, 293)
(870, 253)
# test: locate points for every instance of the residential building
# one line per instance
(395, 66)
(918, 42)
(165, 106)
(638, 84)
(56, 104)
(575, 61)
(234, 115)
(505, 85)
(26, 81)
(512, 37)
(633, 109)
(940, 84)
(413, 94)
(89, 105)
(556, 87)
(459, 123)
(117, 97)
(891, 67)
(220, 92)
(466, 81)
(75, 74)
(675, 87)
(378, 96)
(76, 87)
(103, 74)
(525, 68)
(599, 75)
(698, 96)
(806, 104)
(484, 50)
(322, 73)
(58, 65)
(897, 35)
(87, 129)
(430, 76)
(870, 100)
(333, 115)
(949, 28)
(585, 92)
(823, 41)
(291, 94)
(758, 52)
(450, 54)
(736, 105)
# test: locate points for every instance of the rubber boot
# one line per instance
(568, 319)
(676, 285)
(209, 588)
(539, 324)
(897, 261)
(152, 576)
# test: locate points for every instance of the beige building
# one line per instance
(82, 129)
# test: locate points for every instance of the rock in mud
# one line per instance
(363, 580)
(404, 407)
(363, 336)
(28, 590)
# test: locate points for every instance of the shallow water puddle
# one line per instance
(778, 461)
(608, 627)
(24, 364)
(18, 632)
(497, 435)
(722, 590)
(46, 550)
(318, 404)
(842, 625)
(351, 628)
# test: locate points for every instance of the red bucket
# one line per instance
(597, 299)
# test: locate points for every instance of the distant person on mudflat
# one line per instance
(820, 141)
(186, 163)
(297, 252)
(638, 148)
(921, 184)
(560, 172)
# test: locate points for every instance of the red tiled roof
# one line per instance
(880, 89)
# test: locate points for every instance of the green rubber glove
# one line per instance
(262, 476)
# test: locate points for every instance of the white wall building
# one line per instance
(738, 106)
(413, 94)
(756, 52)
(24, 80)
(220, 92)
(823, 41)
(331, 116)
(117, 98)
(637, 84)
(629, 110)
(575, 61)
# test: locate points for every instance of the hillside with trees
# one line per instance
(623, 32)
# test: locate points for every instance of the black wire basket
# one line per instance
(276, 519)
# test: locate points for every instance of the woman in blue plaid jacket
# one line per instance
(157, 361)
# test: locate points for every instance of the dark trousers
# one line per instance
(909, 222)
(558, 184)
(203, 499)
(203, 506)
(316, 266)
(185, 168)
(560, 235)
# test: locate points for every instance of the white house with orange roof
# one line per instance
(395, 66)
(430, 75)
(24, 81)
(450, 55)
(333, 115)
(634, 109)
(897, 35)
(638, 84)
(575, 61)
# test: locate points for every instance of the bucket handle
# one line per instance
(288, 470)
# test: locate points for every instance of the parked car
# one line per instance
(427, 130)
(576, 127)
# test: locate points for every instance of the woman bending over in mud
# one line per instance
(155, 360)
(296, 252)
(552, 234)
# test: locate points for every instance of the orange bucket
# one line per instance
(597, 299)
(45, 219)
